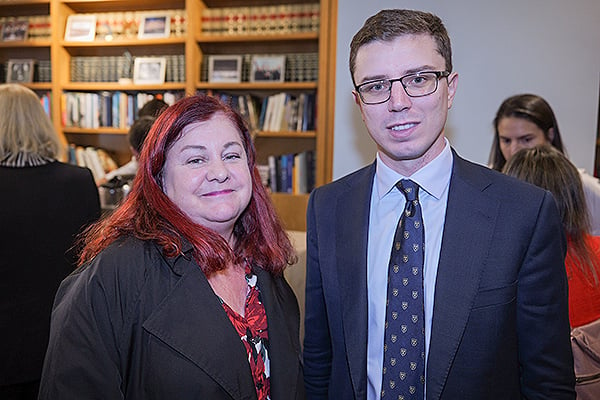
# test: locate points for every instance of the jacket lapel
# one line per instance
(470, 215)
(352, 218)
(281, 344)
(192, 321)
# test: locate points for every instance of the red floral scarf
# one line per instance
(252, 329)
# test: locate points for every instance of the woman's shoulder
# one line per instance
(126, 261)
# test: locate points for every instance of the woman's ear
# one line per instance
(551, 134)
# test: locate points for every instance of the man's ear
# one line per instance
(356, 97)
(452, 85)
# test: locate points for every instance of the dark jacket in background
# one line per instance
(42, 208)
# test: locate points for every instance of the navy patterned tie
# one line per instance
(404, 344)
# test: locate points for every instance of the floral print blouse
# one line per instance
(253, 332)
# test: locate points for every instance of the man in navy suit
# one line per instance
(495, 288)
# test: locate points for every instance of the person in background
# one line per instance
(489, 275)
(180, 292)
(153, 108)
(525, 121)
(44, 203)
(136, 136)
(548, 168)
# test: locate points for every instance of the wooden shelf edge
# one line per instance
(96, 131)
(258, 86)
(115, 86)
(287, 134)
(23, 2)
(267, 37)
(25, 43)
(133, 42)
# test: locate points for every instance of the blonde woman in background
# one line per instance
(44, 204)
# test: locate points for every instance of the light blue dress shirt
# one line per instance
(387, 204)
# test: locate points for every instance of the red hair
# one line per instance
(148, 214)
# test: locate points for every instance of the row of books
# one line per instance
(280, 112)
(113, 68)
(96, 159)
(32, 27)
(288, 112)
(274, 19)
(299, 67)
(291, 173)
(106, 109)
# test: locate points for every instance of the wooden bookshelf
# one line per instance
(195, 45)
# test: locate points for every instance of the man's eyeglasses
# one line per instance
(415, 85)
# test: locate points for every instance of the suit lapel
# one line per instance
(470, 215)
(352, 218)
(192, 321)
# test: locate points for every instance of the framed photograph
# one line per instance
(15, 30)
(149, 70)
(154, 25)
(267, 69)
(19, 71)
(225, 68)
(81, 28)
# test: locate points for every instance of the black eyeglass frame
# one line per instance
(438, 74)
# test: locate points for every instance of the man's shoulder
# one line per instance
(362, 176)
(491, 180)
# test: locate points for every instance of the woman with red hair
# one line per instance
(180, 292)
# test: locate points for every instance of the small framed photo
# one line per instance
(149, 70)
(20, 71)
(224, 68)
(16, 29)
(154, 25)
(267, 69)
(81, 28)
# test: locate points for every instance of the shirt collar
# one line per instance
(24, 159)
(433, 177)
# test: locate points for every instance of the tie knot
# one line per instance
(409, 188)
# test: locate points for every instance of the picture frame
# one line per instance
(20, 71)
(267, 68)
(14, 30)
(81, 28)
(225, 68)
(149, 70)
(154, 25)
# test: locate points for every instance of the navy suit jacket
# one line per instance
(500, 326)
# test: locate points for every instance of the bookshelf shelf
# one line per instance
(126, 42)
(90, 6)
(39, 85)
(276, 86)
(23, 2)
(287, 134)
(18, 44)
(103, 130)
(273, 37)
(115, 86)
